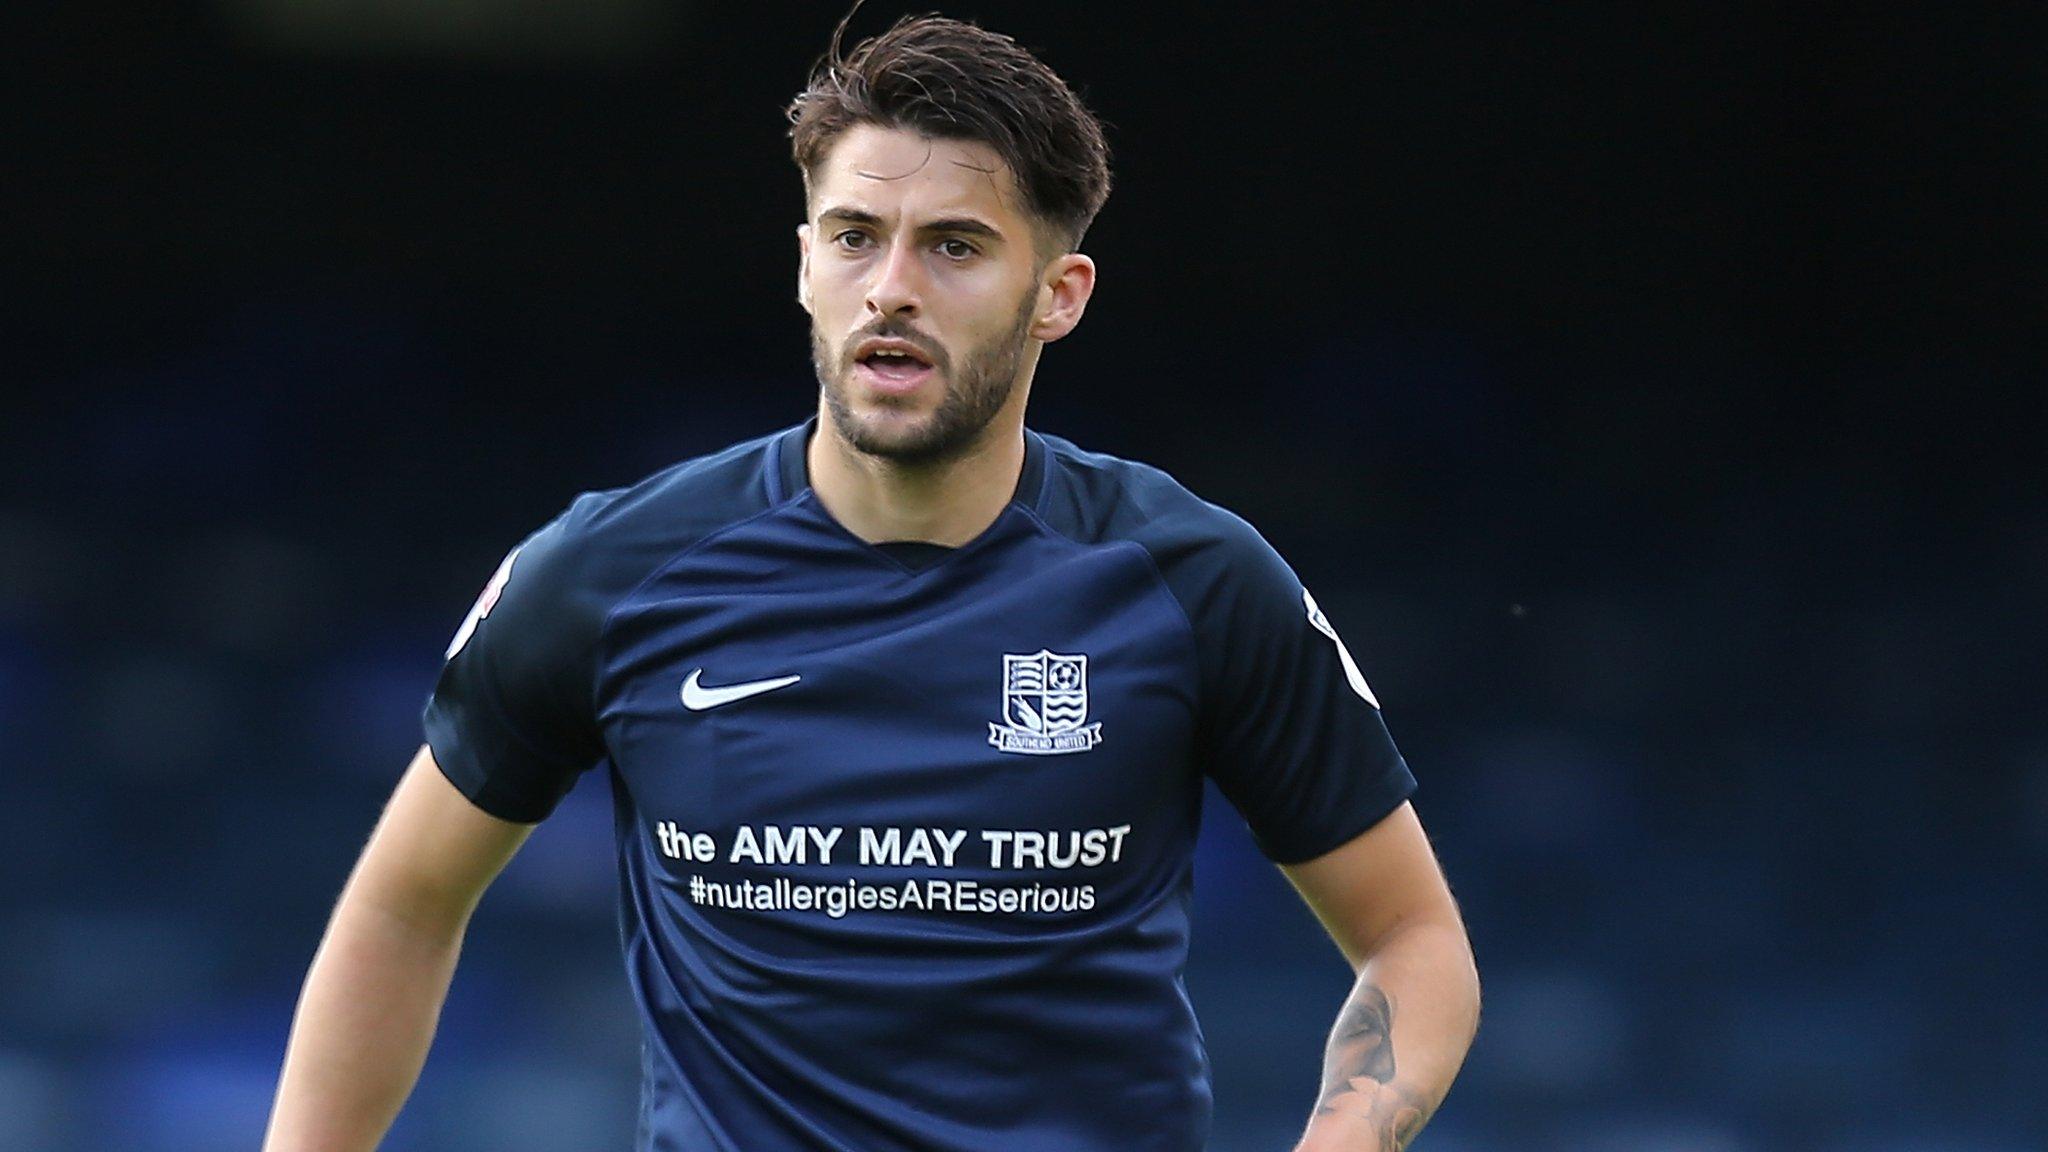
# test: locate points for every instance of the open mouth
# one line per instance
(896, 363)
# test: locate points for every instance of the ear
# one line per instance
(803, 266)
(1063, 292)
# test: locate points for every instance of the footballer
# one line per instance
(907, 712)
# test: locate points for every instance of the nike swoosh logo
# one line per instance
(697, 698)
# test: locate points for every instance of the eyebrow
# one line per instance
(958, 225)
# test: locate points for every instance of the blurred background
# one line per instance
(1651, 394)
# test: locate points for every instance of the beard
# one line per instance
(987, 376)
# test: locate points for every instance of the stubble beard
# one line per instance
(987, 377)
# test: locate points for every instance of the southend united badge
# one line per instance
(1045, 701)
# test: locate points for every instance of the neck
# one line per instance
(947, 502)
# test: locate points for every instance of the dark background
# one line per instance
(1649, 392)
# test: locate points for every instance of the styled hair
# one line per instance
(952, 80)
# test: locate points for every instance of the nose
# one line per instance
(897, 288)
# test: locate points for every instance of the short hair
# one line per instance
(953, 80)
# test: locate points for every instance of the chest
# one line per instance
(1027, 685)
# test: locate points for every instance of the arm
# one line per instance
(1411, 1015)
(374, 992)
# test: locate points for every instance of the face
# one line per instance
(928, 301)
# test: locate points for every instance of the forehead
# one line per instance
(884, 170)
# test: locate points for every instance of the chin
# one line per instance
(901, 437)
(895, 436)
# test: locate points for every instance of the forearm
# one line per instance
(1398, 1041)
(365, 1020)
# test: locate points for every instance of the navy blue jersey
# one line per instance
(905, 839)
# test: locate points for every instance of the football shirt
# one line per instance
(905, 835)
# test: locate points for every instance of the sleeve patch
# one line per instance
(489, 600)
(1322, 624)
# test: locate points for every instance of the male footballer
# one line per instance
(907, 712)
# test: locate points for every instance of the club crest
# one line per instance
(1045, 702)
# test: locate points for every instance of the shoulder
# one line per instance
(680, 503)
(606, 542)
(673, 508)
(1199, 546)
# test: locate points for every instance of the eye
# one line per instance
(956, 249)
(852, 240)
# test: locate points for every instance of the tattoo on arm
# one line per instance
(1358, 1073)
(1364, 1037)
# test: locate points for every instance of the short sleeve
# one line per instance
(1290, 730)
(511, 720)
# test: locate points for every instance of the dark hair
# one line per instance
(953, 80)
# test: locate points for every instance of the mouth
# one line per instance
(892, 367)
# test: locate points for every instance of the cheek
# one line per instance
(833, 280)
(833, 309)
